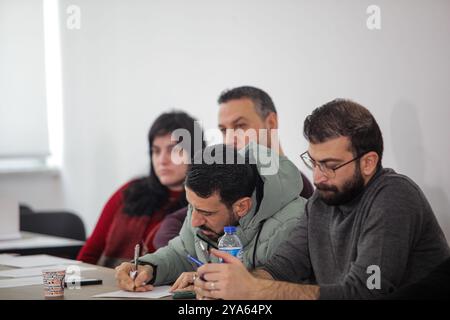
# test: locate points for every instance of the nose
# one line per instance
(197, 219)
(164, 157)
(318, 176)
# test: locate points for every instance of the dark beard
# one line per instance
(216, 235)
(350, 190)
(232, 222)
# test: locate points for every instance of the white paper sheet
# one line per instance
(37, 260)
(20, 282)
(33, 272)
(157, 292)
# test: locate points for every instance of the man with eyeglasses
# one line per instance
(366, 231)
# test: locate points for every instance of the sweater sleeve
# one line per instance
(94, 246)
(291, 261)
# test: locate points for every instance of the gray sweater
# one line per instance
(390, 225)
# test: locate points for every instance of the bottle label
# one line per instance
(235, 252)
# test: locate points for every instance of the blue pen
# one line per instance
(192, 259)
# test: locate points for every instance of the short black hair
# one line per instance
(343, 117)
(232, 181)
(262, 101)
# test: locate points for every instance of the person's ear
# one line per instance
(242, 206)
(369, 163)
(272, 121)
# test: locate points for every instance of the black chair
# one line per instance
(55, 223)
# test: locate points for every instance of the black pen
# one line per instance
(201, 236)
(205, 252)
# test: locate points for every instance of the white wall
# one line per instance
(132, 60)
(22, 71)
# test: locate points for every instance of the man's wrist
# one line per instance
(257, 289)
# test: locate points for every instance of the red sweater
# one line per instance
(116, 232)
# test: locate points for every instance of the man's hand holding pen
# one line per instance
(132, 276)
(126, 282)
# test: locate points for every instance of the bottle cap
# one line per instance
(229, 229)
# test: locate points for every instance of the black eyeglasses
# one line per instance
(329, 172)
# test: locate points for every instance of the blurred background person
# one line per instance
(134, 213)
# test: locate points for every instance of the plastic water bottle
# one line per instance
(230, 243)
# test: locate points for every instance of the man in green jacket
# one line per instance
(261, 202)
